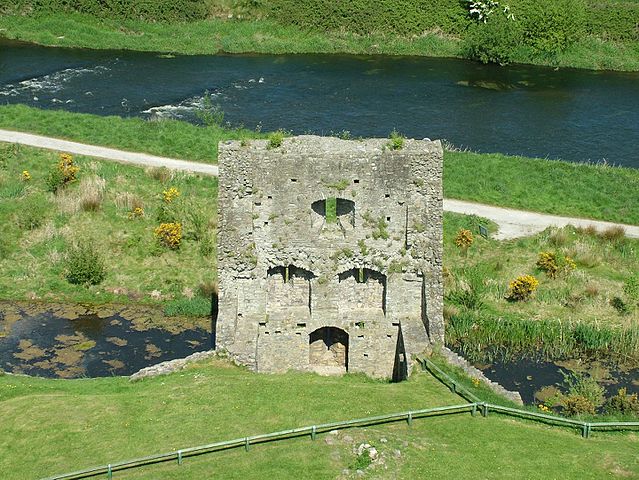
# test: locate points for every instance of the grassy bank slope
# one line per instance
(53, 426)
(589, 191)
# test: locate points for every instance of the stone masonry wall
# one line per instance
(289, 272)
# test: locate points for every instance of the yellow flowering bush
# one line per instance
(554, 264)
(544, 408)
(170, 194)
(137, 212)
(26, 176)
(68, 169)
(169, 235)
(464, 239)
(522, 288)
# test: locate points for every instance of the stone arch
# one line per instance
(328, 350)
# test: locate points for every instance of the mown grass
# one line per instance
(265, 36)
(570, 315)
(40, 228)
(591, 191)
(52, 426)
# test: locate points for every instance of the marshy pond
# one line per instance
(539, 381)
(73, 341)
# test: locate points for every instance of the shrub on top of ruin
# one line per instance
(522, 288)
(275, 139)
(84, 265)
(396, 140)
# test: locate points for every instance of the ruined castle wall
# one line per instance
(287, 269)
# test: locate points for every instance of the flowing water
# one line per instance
(576, 115)
(72, 341)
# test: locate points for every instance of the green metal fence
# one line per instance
(475, 406)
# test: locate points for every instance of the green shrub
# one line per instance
(31, 214)
(584, 386)
(623, 403)
(550, 26)
(620, 305)
(55, 180)
(631, 288)
(84, 265)
(494, 41)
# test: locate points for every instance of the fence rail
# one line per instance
(475, 405)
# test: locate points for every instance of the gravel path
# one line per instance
(512, 223)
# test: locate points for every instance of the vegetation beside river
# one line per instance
(561, 33)
(597, 191)
(55, 426)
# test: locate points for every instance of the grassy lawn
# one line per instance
(571, 314)
(97, 209)
(52, 426)
(551, 186)
(264, 36)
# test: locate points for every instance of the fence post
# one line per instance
(484, 410)
(474, 410)
(585, 430)
(179, 457)
(247, 444)
(313, 432)
(454, 387)
(109, 472)
(409, 419)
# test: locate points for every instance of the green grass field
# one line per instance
(591, 191)
(53, 426)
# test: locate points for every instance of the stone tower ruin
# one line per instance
(330, 254)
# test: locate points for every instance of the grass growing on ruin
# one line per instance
(573, 314)
(99, 209)
(264, 36)
(53, 426)
(590, 191)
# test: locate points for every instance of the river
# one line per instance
(576, 115)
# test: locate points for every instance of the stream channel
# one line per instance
(576, 115)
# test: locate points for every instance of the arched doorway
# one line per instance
(328, 350)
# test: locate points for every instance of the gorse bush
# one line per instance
(522, 288)
(554, 264)
(84, 265)
(64, 173)
(623, 403)
(169, 235)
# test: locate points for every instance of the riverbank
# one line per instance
(69, 425)
(597, 191)
(215, 35)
